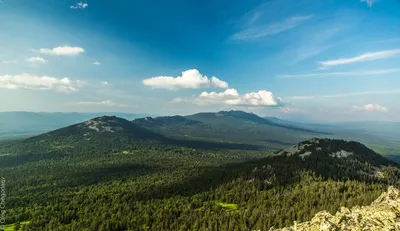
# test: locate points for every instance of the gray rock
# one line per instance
(383, 214)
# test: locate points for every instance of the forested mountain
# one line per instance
(113, 174)
(336, 149)
(228, 126)
(29, 123)
(102, 134)
(166, 120)
(224, 126)
(230, 118)
(383, 137)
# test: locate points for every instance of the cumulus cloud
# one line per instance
(96, 63)
(9, 62)
(27, 81)
(361, 58)
(255, 32)
(36, 60)
(104, 83)
(231, 96)
(189, 79)
(371, 107)
(62, 50)
(218, 83)
(106, 103)
(79, 5)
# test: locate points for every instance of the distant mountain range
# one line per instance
(381, 128)
(229, 126)
(383, 137)
(223, 126)
(232, 130)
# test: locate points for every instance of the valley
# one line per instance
(215, 171)
(193, 115)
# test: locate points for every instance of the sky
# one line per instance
(303, 60)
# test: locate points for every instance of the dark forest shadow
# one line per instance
(210, 145)
(286, 170)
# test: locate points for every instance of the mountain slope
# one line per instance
(165, 121)
(329, 148)
(168, 188)
(19, 122)
(228, 117)
(383, 137)
(106, 125)
(340, 159)
(101, 135)
(107, 134)
(232, 126)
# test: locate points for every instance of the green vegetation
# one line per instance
(227, 206)
(7, 138)
(131, 178)
(229, 127)
(19, 226)
(20, 123)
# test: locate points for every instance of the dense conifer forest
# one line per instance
(122, 176)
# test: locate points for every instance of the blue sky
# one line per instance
(304, 60)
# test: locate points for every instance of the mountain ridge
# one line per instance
(194, 186)
(227, 126)
(251, 117)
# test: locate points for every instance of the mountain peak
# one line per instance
(339, 149)
(101, 131)
(102, 124)
(106, 124)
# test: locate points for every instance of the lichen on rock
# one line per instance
(383, 214)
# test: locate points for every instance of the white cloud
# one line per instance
(310, 50)
(96, 63)
(104, 83)
(289, 110)
(339, 74)
(62, 50)
(254, 17)
(371, 107)
(362, 58)
(218, 83)
(106, 103)
(232, 97)
(10, 62)
(80, 5)
(369, 2)
(27, 81)
(255, 32)
(36, 60)
(189, 79)
(313, 42)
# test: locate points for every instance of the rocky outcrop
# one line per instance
(383, 214)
